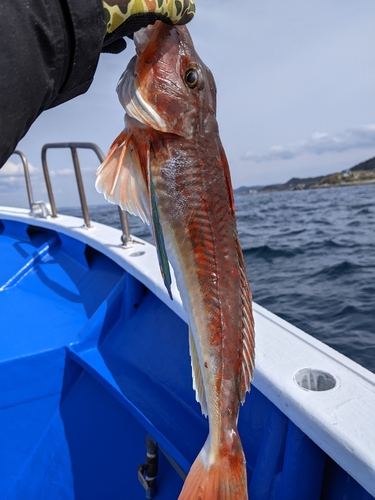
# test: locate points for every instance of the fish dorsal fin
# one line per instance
(247, 320)
(158, 232)
(198, 383)
(121, 180)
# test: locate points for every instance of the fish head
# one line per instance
(166, 86)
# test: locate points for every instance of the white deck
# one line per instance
(341, 420)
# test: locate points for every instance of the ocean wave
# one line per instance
(339, 270)
(364, 211)
(267, 252)
(354, 223)
(323, 245)
(347, 311)
(295, 232)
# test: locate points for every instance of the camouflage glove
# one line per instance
(125, 17)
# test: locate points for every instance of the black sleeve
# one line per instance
(49, 50)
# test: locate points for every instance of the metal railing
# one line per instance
(73, 146)
(27, 177)
(40, 209)
(37, 208)
(77, 170)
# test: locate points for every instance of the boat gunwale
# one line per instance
(336, 420)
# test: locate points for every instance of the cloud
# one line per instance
(62, 171)
(12, 176)
(70, 171)
(13, 186)
(361, 137)
(11, 169)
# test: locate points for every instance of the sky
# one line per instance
(296, 97)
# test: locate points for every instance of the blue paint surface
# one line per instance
(91, 362)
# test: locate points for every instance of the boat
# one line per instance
(96, 398)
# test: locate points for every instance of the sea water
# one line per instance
(310, 259)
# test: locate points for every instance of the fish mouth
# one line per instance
(129, 88)
(142, 38)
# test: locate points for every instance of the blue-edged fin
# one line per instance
(120, 178)
(159, 238)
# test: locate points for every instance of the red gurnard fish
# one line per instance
(169, 168)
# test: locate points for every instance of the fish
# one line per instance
(168, 167)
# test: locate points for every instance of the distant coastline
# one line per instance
(363, 173)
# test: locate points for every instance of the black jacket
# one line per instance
(49, 50)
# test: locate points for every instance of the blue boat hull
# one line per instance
(91, 362)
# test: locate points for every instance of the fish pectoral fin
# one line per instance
(198, 382)
(120, 178)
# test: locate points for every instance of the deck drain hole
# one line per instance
(136, 254)
(315, 380)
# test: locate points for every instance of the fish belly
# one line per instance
(200, 235)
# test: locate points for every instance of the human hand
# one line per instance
(125, 17)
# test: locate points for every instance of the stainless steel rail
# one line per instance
(73, 146)
(27, 177)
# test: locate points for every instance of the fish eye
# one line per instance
(191, 78)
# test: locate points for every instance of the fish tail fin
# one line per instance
(223, 478)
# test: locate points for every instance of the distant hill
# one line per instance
(363, 173)
(365, 165)
(246, 189)
(296, 181)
